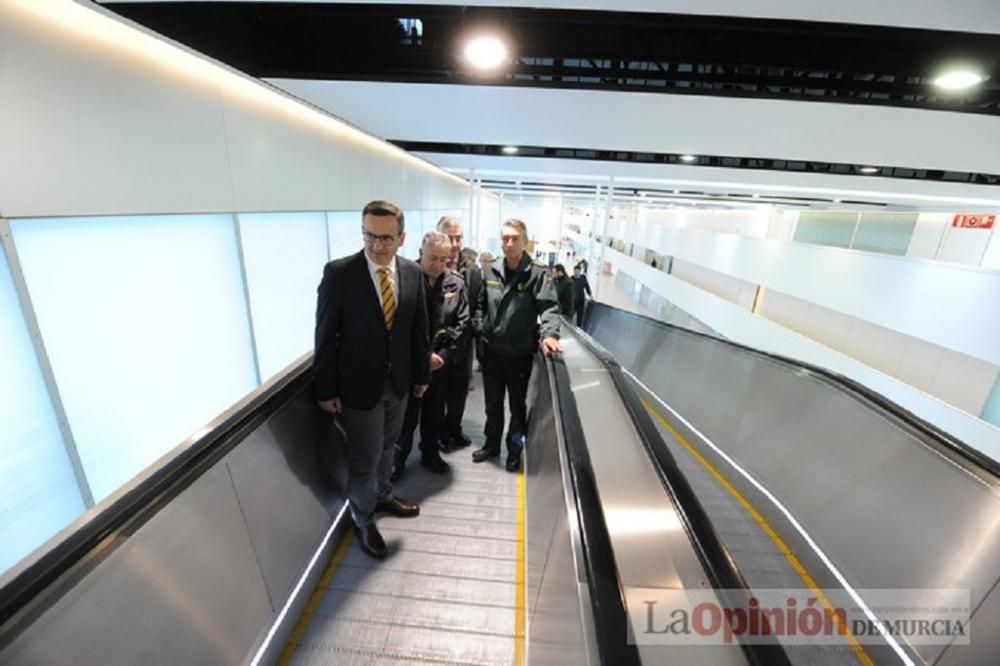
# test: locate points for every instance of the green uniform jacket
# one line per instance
(507, 314)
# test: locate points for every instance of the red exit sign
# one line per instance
(974, 221)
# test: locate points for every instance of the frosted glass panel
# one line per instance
(284, 255)
(145, 323)
(888, 233)
(38, 492)
(834, 229)
(344, 232)
(416, 224)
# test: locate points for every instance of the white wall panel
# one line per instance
(737, 324)
(927, 235)
(991, 259)
(941, 303)
(88, 128)
(263, 152)
(966, 246)
(100, 118)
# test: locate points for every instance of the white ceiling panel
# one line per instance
(962, 15)
(660, 123)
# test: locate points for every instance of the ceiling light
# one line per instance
(485, 52)
(509, 150)
(756, 196)
(688, 158)
(837, 201)
(869, 169)
(959, 79)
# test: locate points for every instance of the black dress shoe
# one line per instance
(435, 464)
(371, 541)
(513, 461)
(398, 507)
(459, 441)
(484, 454)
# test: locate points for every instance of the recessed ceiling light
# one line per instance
(869, 169)
(688, 158)
(510, 150)
(959, 79)
(756, 196)
(485, 52)
(837, 201)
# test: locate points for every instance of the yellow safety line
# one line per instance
(778, 541)
(519, 576)
(317, 595)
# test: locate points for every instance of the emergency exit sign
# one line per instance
(974, 221)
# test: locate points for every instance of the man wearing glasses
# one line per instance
(372, 351)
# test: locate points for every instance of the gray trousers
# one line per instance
(371, 436)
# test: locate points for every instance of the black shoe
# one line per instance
(513, 461)
(398, 507)
(371, 541)
(435, 464)
(484, 454)
(459, 441)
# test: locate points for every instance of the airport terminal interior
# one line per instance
(770, 433)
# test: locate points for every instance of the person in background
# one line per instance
(458, 371)
(448, 321)
(581, 290)
(564, 290)
(473, 283)
(372, 351)
(485, 259)
(516, 295)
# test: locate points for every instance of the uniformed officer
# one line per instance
(448, 321)
(516, 294)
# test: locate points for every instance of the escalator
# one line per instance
(660, 464)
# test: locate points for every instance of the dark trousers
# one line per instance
(579, 314)
(429, 410)
(510, 375)
(457, 371)
(370, 437)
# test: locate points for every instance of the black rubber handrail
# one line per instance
(140, 503)
(719, 565)
(972, 460)
(606, 595)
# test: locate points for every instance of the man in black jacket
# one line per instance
(581, 289)
(372, 351)
(458, 372)
(516, 294)
(448, 319)
(564, 290)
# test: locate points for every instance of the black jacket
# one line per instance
(473, 284)
(564, 292)
(580, 285)
(508, 312)
(355, 354)
(448, 315)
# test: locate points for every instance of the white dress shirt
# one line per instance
(373, 269)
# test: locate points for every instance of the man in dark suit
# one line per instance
(581, 290)
(372, 351)
(564, 290)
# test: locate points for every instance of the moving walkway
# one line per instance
(658, 460)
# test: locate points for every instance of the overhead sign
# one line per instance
(974, 221)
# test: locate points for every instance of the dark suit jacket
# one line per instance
(355, 355)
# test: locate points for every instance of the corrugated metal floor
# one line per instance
(446, 593)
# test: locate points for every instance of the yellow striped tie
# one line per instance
(388, 299)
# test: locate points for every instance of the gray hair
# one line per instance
(435, 238)
(447, 221)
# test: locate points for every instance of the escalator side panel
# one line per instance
(196, 582)
(888, 510)
(558, 598)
